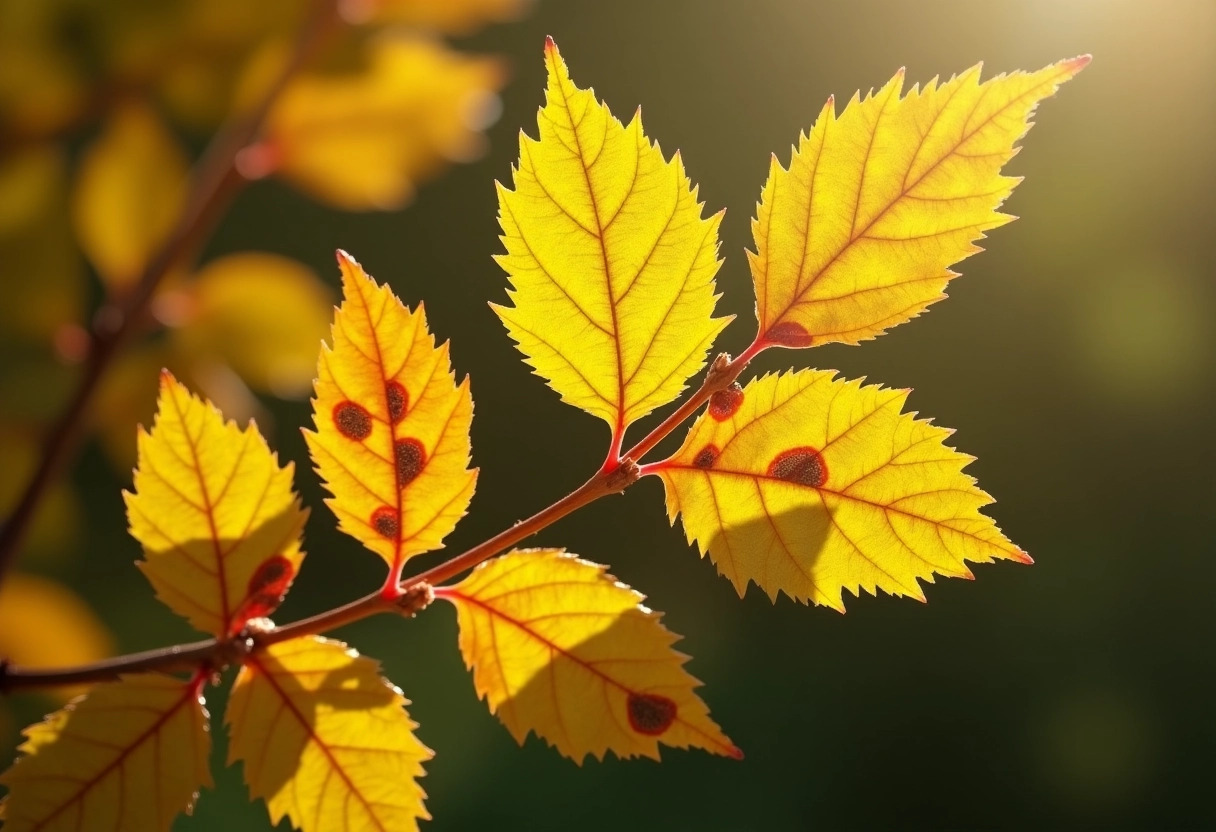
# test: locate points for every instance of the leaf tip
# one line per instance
(1078, 63)
(1022, 557)
(550, 46)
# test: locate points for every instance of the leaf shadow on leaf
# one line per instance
(776, 551)
(186, 575)
(587, 712)
(342, 689)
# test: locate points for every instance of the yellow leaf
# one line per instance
(612, 266)
(858, 234)
(262, 314)
(809, 485)
(365, 141)
(325, 740)
(45, 624)
(219, 523)
(128, 193)
(559, 647)
(131, 755)
(392, 437)
(459, 17)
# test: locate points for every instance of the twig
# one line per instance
(214, 184)
(218, 653)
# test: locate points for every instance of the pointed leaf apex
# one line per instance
(342, 257)
(550, 46)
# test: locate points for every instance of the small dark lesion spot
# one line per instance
(398, 401)
(804, 466)
(650, 713)
(788, 334)
(386, 522)
(411, 458)
(724, 403)
(352, 420)
(265, 591)
(706, 457)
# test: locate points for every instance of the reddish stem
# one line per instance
(413, 593)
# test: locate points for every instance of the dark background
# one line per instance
(1075, 357)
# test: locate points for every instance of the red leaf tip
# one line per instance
(735, 752)
(1078, 63)
(550, 46)
(1022, 557)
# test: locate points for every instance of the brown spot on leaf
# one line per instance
(706, 457)
(804, 466)
(398, 401)
(410, 457)
(386, 522)
(788, 334)
(650, 713)
(724, 403)
(353, 421)
(265, 592)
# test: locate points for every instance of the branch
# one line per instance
(215, 182)
(417, 591)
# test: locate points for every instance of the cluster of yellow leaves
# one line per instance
(135, 84)
(220, 528)
(801, 483)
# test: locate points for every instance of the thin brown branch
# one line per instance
(416, 590)
(213, 186)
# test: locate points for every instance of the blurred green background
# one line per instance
(1075, 357)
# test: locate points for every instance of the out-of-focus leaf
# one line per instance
(128, 193)
(130, 755)
(559, 647)
(458, 17)
(364, 141)
(45, 624)
(262, 314)
(392, 426)
(611, 263)
(218, 520)
(810, 485)
(325, 740)
(858, 234)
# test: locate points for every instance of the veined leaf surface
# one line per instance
(130, 755)
(392, 437)
(611, 263)
(559, 647)
(219, 523)
(858, 234)
(810, 485)
(325, 740)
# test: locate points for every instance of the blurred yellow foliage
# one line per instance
(363, 141)
(128, 193)
(44, 624)
(260, 313)
(136, 86)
